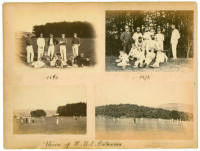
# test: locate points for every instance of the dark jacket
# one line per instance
(55, 42)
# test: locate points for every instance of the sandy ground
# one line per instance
(181, 64)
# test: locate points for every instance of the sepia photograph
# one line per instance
(100, 75)
(58, 45)
(60, 110)
(149, 40)
(128, 112)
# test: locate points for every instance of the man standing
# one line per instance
(126, 40)
(75, 45)
(51, 49)
(167, 34)
(63, 42)
(40, 44)
(160, 38)
(174, 40)
(29, 49)
(137, 34)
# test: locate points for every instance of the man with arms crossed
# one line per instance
(40, 44)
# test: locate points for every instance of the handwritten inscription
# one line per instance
(82, 144)
(144, 77)
(52, 77)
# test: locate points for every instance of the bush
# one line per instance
(76, 109)
(38, 113)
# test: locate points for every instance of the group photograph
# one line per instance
(149, 40)
(61, 44)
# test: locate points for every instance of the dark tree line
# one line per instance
(76, 109)
(83, 29)
(116, 21)
(38, 113)
(131, 110)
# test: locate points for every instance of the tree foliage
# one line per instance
(83, 29)
(76, 109)
(131, 110)
(38, 113)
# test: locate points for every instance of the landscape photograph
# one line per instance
(59, 111)
(126, 113)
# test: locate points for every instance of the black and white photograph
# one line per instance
(149, 40)
(140, 112)
(59, 110)
(63, 44)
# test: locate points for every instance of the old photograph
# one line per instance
(100, 75)
(58, 45)
(128, 112)
(149, 40)
(60, 110)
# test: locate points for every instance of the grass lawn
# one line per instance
(67, 125)
(181, 64)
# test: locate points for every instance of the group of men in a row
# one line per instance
(146, 47)
(51, 43)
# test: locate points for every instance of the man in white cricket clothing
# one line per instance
(63, 42)
(137, 34)
(51, 43)
(174, 40)
(40, 44)
(160, 39)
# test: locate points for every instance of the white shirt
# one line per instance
(147, 36)
(160, 37)
(136, 36)
(51, 41)
(41, 42)
(175, 36)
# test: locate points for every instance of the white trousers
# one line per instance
(63, 52)
(30, 54)
(50, 52)
(40, 52)
(160, 45)
(174, 46)
(75, 48)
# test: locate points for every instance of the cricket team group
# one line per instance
(55, 59)
(145, 49)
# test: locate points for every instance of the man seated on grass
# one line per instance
(82, 61)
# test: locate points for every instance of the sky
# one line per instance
(48, 98)
(144, 94)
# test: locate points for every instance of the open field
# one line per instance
(87, 47)
(142, 128)
(48, 125)
(181, 64)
